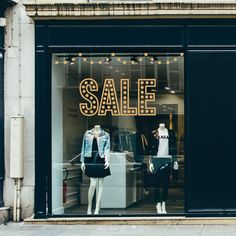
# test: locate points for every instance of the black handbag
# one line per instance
(160, 162)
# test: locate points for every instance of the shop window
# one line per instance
(117, 133)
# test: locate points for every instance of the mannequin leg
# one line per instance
(99, 195)
(158, 198)
(93, 183)
(166, 180)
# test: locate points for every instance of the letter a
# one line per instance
(109, 100)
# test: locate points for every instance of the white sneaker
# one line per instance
(158, 206)
(163, 207)
(96, 212)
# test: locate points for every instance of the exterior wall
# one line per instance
(19, 99)
(20, 60)
(135, 8)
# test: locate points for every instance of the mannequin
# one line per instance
(90, 152)
(164, 170)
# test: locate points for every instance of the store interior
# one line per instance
(130, 189)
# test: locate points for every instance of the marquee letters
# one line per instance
(109, 101)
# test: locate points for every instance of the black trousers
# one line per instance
(162, 183)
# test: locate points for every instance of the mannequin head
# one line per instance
(162, 125)
(162, 130)
(97, 128)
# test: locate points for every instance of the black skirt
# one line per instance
(96, 169)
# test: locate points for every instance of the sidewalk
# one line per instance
(18, 229)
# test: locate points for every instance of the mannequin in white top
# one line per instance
(95, 183)
(163, 151)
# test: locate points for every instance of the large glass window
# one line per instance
(117, 133)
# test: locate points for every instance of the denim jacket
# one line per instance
(103, 144)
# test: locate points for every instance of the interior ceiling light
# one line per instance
(167, 88)
(153, 60)
(70, 60)
(172, 91)
(107, 60)
(134, 60)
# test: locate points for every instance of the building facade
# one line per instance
(156, 77)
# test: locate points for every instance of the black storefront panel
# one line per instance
(164, 35)
(209, 96)
(211, 35)
(211, 131)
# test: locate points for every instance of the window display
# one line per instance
(117, 133)
(160, 165)
(95, 162)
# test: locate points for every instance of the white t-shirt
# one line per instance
(163, 147)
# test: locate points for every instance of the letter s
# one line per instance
(87, 86)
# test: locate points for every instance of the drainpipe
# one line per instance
(2, 173)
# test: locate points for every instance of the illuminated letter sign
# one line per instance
(126, 110)
(144, 96)
(109, 102)
(109, 99)
(86, 87)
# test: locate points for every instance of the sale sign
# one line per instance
(109, 102)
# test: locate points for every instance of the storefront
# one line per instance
(158, 91)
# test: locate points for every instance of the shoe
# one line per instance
(158, 206)
(96, 212)
(163, 207)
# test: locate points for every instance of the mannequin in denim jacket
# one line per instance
(95, 183)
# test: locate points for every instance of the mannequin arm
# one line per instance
(176, 165)
(107, 152)
(82, 149)
(106, 164)
(83, 166)
(151, 167)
